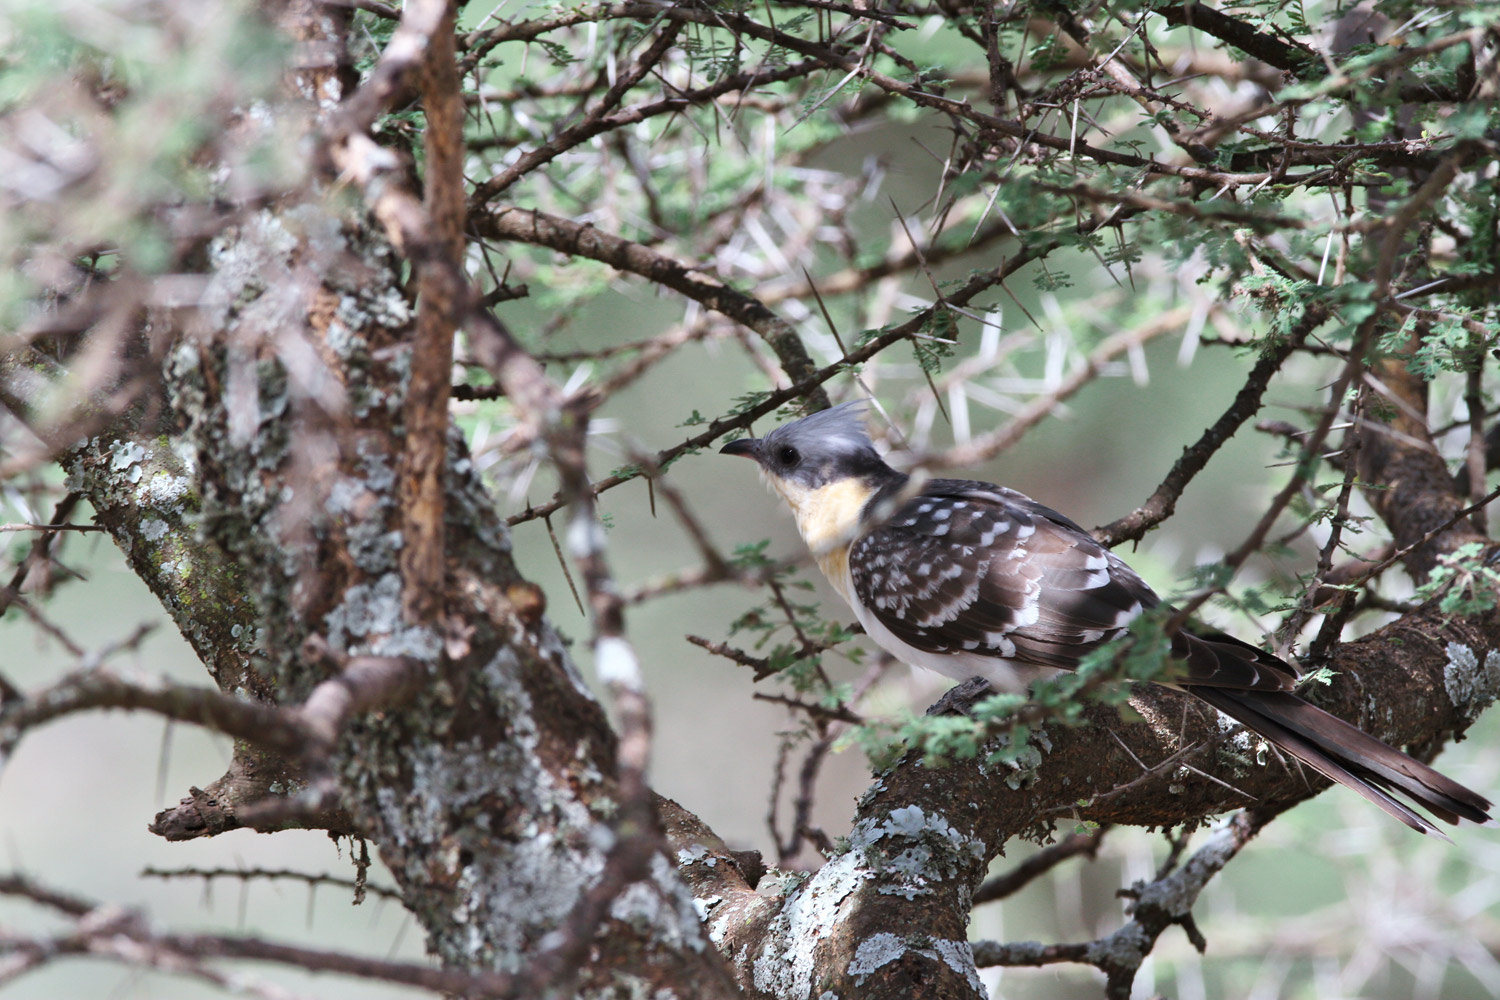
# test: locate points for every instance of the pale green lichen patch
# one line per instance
(1025, 762)
(881, 949)
(372, 612)
(496, 847)
(695, 853)
(808, 916)
(244, 261)
(372, 548)
(661, 907)
(1124, 949)
(874, 952)
(959, 956)
(168, 493)
(517, 839)
(144, 492)
(912, 850)
(125, 455)
(366, 609)
(468, 502)
(1176, 895)
(1471, 685)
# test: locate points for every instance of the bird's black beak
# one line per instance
(747, 447)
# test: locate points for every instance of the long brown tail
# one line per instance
(1351, 757)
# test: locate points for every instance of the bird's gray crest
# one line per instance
(820, 448)
(838, 430)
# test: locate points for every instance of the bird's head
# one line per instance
(824, 466)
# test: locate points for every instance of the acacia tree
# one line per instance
(257, 254)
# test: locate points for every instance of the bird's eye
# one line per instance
(787, 455)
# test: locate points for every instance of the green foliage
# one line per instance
(1210, 576)
(743, 403)
(800, 630)
(1479, 15)
(715, 56)
(1262, 599)
(1005, 728)
(1048, 280)
(560, 54)
(1322, 677)
(929, 77)
(1449, 346)
(935, 341)
(1466, 581)
(1049, 52)
(373, 34)
(1393, 340)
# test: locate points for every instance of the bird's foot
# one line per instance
(960, 700)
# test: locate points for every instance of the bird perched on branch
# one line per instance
(976, 580)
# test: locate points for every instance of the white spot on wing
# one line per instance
(941, 614)
(1000, 642)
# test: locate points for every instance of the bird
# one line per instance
(972, 580)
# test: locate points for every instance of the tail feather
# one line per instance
(1351, 757)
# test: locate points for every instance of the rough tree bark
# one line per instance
(267, 492)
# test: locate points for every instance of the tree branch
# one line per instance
(439, 308)
(566, 236)
(1163, 501)
(1166, 901)
(1291, 56)
(1039, 864)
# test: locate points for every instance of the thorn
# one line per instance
(557, 548)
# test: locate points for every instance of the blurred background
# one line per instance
(1333, 901)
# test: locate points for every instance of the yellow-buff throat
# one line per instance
(828, 520)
